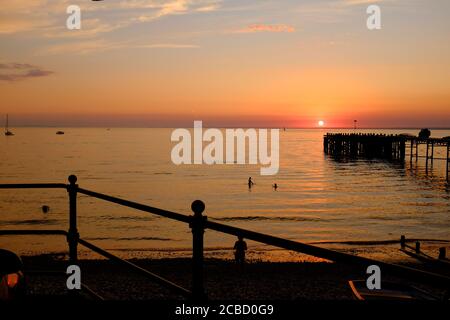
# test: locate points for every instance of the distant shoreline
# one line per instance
(387, 251)
(231, 127)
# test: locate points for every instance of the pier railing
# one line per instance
(383, 146)
(198, 223)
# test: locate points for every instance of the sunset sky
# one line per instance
(226, 62)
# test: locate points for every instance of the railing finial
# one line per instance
(198, 206)
(73, 179)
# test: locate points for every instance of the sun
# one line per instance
(321, 123)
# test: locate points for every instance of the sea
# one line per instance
(318, 200)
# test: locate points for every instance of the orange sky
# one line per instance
(229, 63)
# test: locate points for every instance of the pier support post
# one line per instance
(448, 160)
(198, 229)
(417, 151)
(73, 236)
(411, 151)
(402, 150)
(432, 153)
(417, 247)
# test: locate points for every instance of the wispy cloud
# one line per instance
(334, 11)
(266, 28)
(101, 45)
(167, 46)
(360, 2)
(20, 71)
(47, 16)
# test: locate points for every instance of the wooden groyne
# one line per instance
(382, 146)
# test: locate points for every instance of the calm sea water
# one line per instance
(318, 199)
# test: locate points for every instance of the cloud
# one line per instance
(168, 46)
(101, 45)
(266, 28)
(360, 2)
(335, 11)
(47, 17)
(20, 71)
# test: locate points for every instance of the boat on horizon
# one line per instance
(7, 132)
(59, 132)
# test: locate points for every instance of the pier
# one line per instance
(388, 147)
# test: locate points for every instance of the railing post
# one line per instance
(198, 228)
(402, 242)
(73, 236)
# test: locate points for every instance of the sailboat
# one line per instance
(7, 132)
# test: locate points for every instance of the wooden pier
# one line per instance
(388, 147)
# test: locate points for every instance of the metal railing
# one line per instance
(198, 224)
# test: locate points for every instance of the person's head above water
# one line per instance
(240, 238)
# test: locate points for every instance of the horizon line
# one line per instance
(237, 127)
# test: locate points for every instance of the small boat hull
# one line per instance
(389, 291)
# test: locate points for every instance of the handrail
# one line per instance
(143, 271)
(33, 232)
(138, 206)
(180, 290)
(323, 253)
(33, 186)
(198, 223)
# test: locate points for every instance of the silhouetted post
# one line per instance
(417, 151)
(448, 159)
(417, 247)
(411, 153)
(432, 153)
(198, 228)
(442, 253)
(402, 150)
(402, 242)
(72, 237)
(428, 148)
